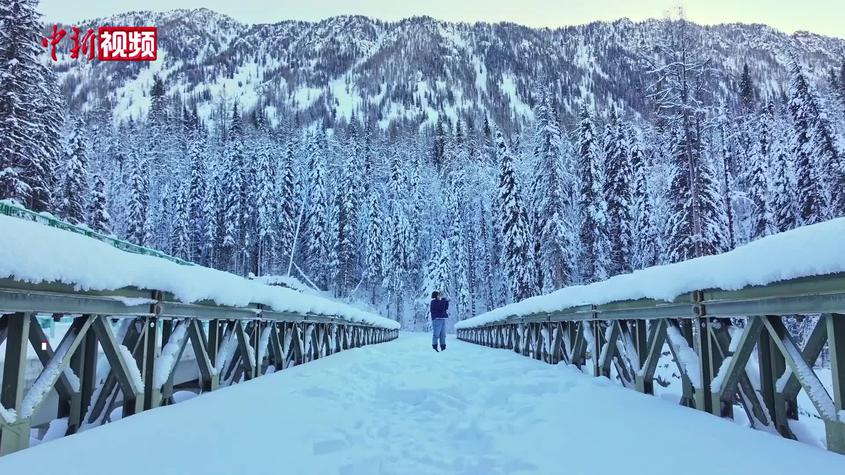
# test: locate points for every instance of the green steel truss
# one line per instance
(129, 329)
(724, 329)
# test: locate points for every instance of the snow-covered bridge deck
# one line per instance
(400, 408)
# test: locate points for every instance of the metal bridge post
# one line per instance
(84, 364)
(598, 341)
(14, 435)
(772, 365)
(149, 355)
(836, 341)
(703, 346)
(213, 340)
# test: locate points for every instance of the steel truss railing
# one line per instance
(133, 328)
(716, 332)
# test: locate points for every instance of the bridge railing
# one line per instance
(711, 336)
(141, 336)
(126, 340)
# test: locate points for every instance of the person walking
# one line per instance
(438, 307)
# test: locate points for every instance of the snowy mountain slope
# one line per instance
(415, 70)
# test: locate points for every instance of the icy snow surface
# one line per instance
(400, 408)
(32, 252)
(806, 251)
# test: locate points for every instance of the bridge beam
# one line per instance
(836, 339)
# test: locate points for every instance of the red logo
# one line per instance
(127, 43)
(111, 43)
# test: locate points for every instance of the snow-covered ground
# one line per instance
(802, 252)
(32, 252)
(400, 408)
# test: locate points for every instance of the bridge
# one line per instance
(389, 404)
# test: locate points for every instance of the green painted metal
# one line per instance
(736, 364)
(656, 339)
(14, 437)
(836, 338)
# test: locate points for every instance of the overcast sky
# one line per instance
(819, 16)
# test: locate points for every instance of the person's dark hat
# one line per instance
(435, 294)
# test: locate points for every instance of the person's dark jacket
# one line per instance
(439, 308)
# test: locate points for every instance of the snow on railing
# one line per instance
(12, 208)
(34, 253)
(813, 250)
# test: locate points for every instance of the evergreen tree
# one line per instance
(26, 147)
(696, 224)
(98, 216)
(438, 270)
(286, 196)
(233, 197)
(759, 191)
(137, 204)
(617, 195)
(319, 232)
(840, 88)
(181, 237)
(553, 234)
(697, 215)
(266, 208)
(513, 225)
(593, 262)
(747, 94)
(644, 233)
(75, 191)
(346, 206)
(812, 203)
(197, 200)
(459, 288)
(374, 241)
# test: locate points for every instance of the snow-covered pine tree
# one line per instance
(783, 189)
(197, 198)
(266, 207)
(644, 232)
(697, 220)
(617, 195)
(553, 233)
(287, 210)
(438, 269)
(26, 149)
(513, 227)
(75, 188)
(759, 188)
(459, 289)
(840, 88)
(212, 210)
(98, 215)
(346, 204)
(593, 262)
(396, 257)
(51, 112)
(722, 142)
(136, 230)
(812, 202)
(232, 188)
(374, 239)
(747, 92)
(180, 240)
(319, 240)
